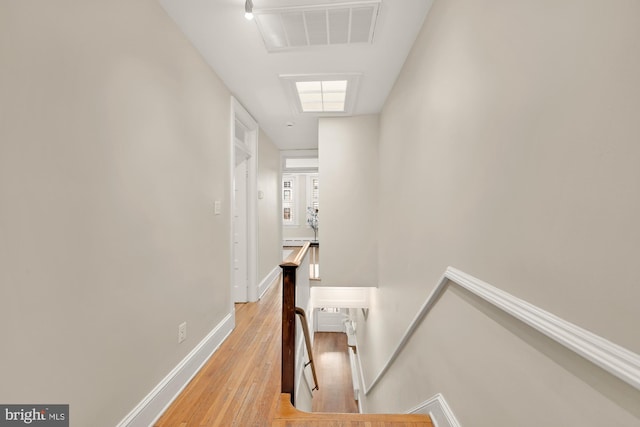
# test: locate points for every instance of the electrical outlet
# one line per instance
(182, 332)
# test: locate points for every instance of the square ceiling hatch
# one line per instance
(317, 25)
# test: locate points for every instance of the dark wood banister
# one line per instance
(289, 269)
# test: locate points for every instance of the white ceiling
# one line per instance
(234, 48)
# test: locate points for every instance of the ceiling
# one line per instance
(235, 49)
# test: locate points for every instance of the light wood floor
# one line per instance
(288, 416)
(331, 356)
(240, 384)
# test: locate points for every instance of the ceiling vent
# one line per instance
(317, 25)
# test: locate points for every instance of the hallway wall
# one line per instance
(269, 224)
(114, 146)
(348, 166)
(509, 150)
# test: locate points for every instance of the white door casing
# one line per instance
(244, 151)
(240, 235)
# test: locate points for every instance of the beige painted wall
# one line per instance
(114, 144)
(348, 159)
(509, 149)
(269, 224)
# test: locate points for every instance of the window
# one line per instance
(301, 163)
(313, 192)
(288, 200)
(300, 192)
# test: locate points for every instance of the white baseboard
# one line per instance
(268, 281)
(158, 400)
(360, 378)
(436, 407)
(439, 411)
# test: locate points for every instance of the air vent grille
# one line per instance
(319, 25)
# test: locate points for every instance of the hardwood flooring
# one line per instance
(333, 367)
(240, 384)
(288, 416)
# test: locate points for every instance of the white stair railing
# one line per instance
(611, 357)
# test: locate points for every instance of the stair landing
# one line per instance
(288, 416)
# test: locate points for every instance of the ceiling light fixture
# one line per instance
(322, 94)
(248, 9)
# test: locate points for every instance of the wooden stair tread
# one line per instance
(288, 416)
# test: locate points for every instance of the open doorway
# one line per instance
(300, 196)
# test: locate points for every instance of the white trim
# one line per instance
(340, 296)
(232, 197)
(361, 403)
(240, 113)
(158, 400)
(439, 411)
(611, 357)
(318, 6)
(355, 379)
(268, 280)
(286, 154)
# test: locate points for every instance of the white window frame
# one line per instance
(292, 203)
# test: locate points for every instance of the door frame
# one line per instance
(240, 288)
(238, 112)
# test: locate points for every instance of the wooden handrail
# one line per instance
(295, 258)
(289, 270)
(305, 328)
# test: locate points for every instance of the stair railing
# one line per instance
(289, 277)
(611, 357)
(307, 339)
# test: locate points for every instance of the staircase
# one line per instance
(288, 416)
